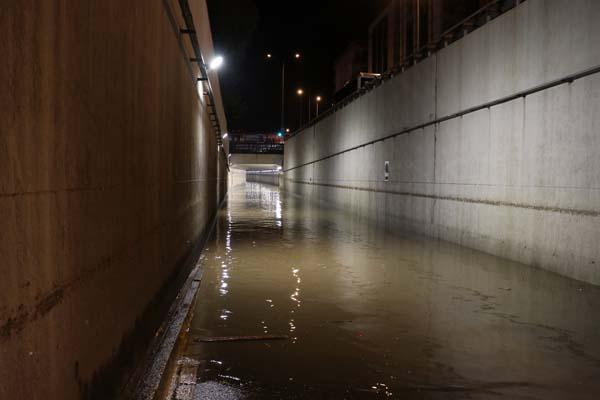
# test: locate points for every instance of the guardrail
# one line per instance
(255, 148)
(476, 20)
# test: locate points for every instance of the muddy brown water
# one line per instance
(373, 315)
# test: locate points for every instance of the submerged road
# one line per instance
(369, 314)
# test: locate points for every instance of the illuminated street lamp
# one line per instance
(296, 57)
(300, 92)
(318, 100)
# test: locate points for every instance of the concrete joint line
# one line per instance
(521, 94)
(571, 211)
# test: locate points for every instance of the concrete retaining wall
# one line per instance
(519, 179)
(268, 178)
(236, 177)
(109, 173)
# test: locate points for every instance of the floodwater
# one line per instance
(373, 315)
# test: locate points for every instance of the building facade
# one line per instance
(408, 28)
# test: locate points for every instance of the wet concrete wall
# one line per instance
(236, 177)
(519, 179)
(268, 178)
(109, 173)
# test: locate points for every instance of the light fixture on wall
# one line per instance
(215, 63)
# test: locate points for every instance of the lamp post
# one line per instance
(300, 92)
(318, 100)
(296, 57)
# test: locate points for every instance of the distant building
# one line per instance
(408, 27)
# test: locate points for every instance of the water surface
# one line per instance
(374, 315)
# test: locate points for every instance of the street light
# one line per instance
(300, 92)
(318, 100)
(297, 57)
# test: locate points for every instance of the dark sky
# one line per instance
(245, 31)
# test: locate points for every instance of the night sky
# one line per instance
(244, 31)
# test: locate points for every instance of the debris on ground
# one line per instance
(240, 338)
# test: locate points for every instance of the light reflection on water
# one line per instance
(375, 315)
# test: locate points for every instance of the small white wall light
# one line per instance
(215, 63)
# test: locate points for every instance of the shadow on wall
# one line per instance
(109, 178)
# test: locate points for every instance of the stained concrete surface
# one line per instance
(372, 314)
(109, 173)
(519, 179)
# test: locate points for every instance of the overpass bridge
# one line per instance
(255, 157)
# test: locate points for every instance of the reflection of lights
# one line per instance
(382, 388)
(295, 297)
(226, 263)
(225, 314)
(224, 285)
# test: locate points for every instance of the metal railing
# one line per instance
(479, 18)
(255, 148)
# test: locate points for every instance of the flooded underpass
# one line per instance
(345, 310)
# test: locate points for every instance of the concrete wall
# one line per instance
(520, 179)
(268, 178)
(263, 161)
(236, 177)
(109, 173)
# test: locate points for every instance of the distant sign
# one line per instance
(386, 171)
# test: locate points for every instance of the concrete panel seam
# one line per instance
(572, 211)
(567, 79)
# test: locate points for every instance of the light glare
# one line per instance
(216, 63)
